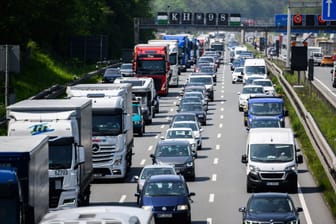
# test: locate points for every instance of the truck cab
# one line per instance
(271, 159)
(270, 106)
(137, 118)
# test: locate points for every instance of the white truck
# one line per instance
(112, 127)
(23, 179)
(175, 69)
(315, 53)
(271, 159)
(145, 89)
(68, 123)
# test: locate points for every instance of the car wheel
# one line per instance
(249, 188)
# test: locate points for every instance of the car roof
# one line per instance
(269, 195)
(166, 177)
(173, 142)
(184, 114)
(151, 166)
(178, 129)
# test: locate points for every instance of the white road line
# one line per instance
(162, 126)
(156, 136)
(142, 162)
(219, 135)
(211, 198)
(222, 109)
(220, 125)
(122, 199)
(217, 147)
(222, 102)
(222, 116)
(215, 161)
(209, 220)
(222, 91)
(171, 109)
(222, 96)
(304, 206)
(214, 177)
(327, 88)
(150, 148)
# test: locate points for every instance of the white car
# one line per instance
(247, 91)
(195, 127)
(237, 75)
(182, 133)
(150, 170)
(267, 84)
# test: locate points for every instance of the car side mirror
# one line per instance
(162, 137)
(137, 194)
(136, 178)
(238, 93)
(299, 209)
(299, 159)
(242, 209)
(191, 194)
(244, 158)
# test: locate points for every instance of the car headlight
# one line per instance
(189, 164)
(118, 160)
(293, 222)
(193, 146)
(254, 168)
(147, 207)
(200, 115)
(182, 207)
(289, 168)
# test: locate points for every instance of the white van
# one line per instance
(271, 159)
(254, 67)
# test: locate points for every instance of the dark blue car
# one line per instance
(168, 197)
(270, 208)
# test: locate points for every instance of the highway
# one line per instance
(220, 176)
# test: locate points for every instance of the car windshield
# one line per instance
(270, 205)
(252, 90)
(171, 134)
(126, 66)
(271, 153)
(186, 117)
(204, 80)
(265, 123)
(186, 125)
(148, 172)
(255, 70)
(266, 109)
(240, 69)
(165, 188)
(262, 83)
(173, 150)
(191, 107)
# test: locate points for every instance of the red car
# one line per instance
(334, 57)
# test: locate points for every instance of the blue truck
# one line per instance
(269, 106)
(184, 49)
(24, 180)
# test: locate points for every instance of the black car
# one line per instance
(209, 70)
(168, 197)
(196, 108)
(111, 74)
(270, 208)
(184, 116)
(178, 153)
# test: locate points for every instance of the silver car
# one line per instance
(150, 170)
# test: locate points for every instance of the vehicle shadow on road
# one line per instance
(310, 190)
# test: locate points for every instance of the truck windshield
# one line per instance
(255, 70)
(9, 211)
(106, 124)
(271, 153)
(151, 67)
(266, 109)
(173, 58)
(60, 156)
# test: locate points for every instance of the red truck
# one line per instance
(152, 61)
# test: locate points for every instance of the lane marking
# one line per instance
(217, 147)
(220, 125)
(122, 199)
(211, 198)
(304, 206)
(326, 87)
(150, 148)
(222, 116)
(222, 96)
(209, 220)
(142, 162)
(157, 136)
(162, 126)
(222, 109)
(222, 102)
(219, 135)
(215, 161)
(214, 177)
(171, 109)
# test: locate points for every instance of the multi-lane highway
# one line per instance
(220, 176)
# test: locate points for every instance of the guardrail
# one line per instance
(321, 146)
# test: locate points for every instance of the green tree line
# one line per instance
(51, 23)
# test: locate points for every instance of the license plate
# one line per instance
(272, 183)
(97, 175)
(165, 215)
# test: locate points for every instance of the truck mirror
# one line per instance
(244, 158)
(332, 71)
(299, 159)
(81, 155)
(286, 113)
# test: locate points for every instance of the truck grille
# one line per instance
(103, 153)
(54, 194)
(272, 176)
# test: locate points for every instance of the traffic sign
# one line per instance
(297, 20)
(328, 10)
(280, 20)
